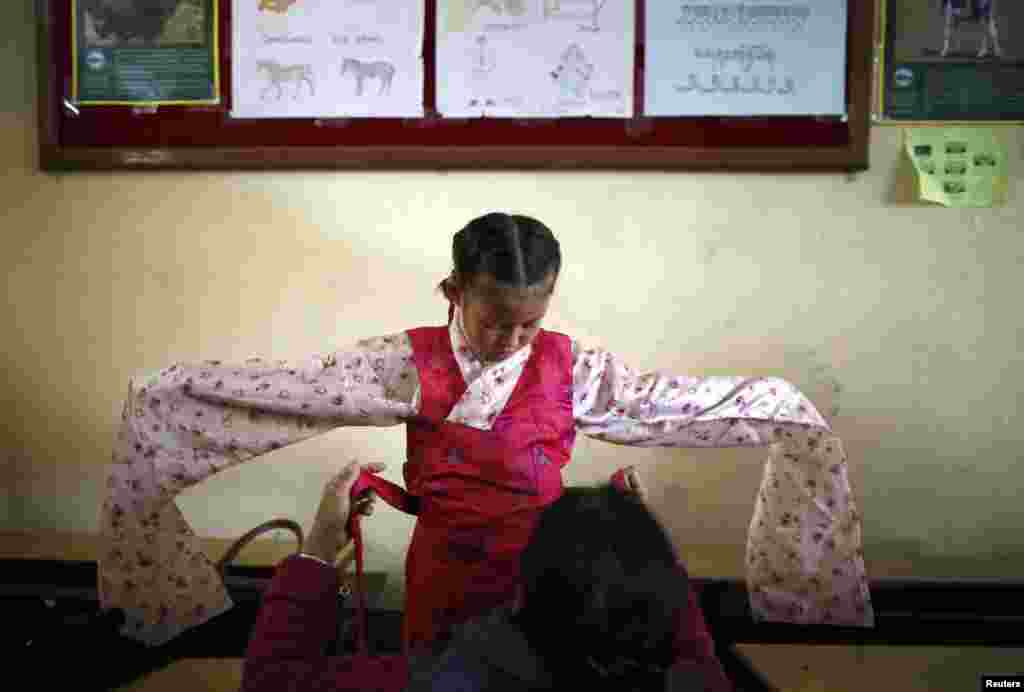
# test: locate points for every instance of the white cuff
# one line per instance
(314, 557)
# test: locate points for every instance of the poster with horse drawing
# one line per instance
(953, 60)
(327, 58)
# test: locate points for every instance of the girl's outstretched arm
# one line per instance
(187, 422)
(804, 556)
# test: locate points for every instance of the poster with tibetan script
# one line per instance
(756, 57)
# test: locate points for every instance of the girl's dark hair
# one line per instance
(603, 592)
(516, 250)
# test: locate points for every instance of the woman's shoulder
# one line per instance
(491, 648)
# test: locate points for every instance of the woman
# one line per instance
(601, 586)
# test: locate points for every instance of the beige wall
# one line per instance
(904, 318)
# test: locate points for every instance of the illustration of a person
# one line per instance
(483, 61)
(573, 73)
(958, 12)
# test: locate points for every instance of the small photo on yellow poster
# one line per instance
(958, 166)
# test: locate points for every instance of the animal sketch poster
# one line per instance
(144, 52)
(749, 58)
(952, 60)
(327, 58)
(535, 58)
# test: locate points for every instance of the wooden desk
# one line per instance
(791, 668)
(45, 544)
(192, 674)
(702, 560)
(795, 667)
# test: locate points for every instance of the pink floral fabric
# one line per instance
(190, 421)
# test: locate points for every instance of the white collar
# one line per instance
(467, 357)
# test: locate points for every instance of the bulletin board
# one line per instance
(205, 136)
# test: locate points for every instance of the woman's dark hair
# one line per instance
(603, 591)
(518, 251)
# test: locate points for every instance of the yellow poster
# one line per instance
(958, 166)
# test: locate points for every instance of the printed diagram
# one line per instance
(573, 73)
(586, 10)
(742, 17)
(277, 74)
(326, 58)
(380, 70)
(537, 59)
(483, 60)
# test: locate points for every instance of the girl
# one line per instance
(492, 404)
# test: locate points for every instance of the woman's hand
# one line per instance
(329, 533)
(633, 484)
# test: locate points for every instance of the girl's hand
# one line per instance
(329, 533)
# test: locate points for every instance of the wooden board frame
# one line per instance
(207, 138)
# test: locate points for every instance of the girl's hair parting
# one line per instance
(518, 251)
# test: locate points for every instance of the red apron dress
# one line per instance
(479, 492)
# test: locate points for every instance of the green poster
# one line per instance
(145, 52)
(958, 166)
(952, 60)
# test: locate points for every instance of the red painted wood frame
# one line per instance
(206, 137)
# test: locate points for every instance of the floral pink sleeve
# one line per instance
(804, 556)
(365, 386)
(188, 422)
